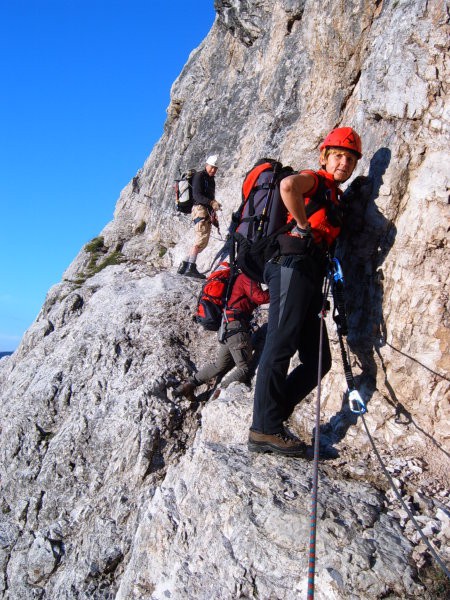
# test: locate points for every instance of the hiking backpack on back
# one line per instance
(213, 297)
(183, 192)
(261, 217)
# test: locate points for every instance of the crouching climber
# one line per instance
(235, 348)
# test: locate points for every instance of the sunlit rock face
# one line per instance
(113, 488)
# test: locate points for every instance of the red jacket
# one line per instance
(245, 297)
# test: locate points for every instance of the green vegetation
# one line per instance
(96, 245)
(113, 259)
(80, 279)
(140, 228)
(436, 581)
(97, 249)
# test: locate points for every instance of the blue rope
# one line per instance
(315, 477)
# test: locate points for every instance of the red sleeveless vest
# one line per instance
(323, 231)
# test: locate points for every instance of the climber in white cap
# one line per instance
(203, 214)
(212, 161)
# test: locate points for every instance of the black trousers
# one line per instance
(293, 326)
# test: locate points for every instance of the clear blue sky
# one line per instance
(84, 89)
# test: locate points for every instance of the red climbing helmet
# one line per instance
(343, 137)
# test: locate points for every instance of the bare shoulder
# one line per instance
(299, 182)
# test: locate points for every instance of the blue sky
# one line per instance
(84, 89)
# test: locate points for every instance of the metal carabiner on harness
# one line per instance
(337, 273)
(356, 403)
(337, 289)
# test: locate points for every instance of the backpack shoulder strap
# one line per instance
(233, 277)
(234, 272)
(251, 178)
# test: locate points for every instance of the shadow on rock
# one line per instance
(362, 250)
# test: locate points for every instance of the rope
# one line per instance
(416, 361)
(315, 477)
(357, 406)
(425, 540)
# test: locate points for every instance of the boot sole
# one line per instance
(265, 447)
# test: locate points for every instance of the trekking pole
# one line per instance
(315, 477)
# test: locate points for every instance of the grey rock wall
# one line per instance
(110, 487)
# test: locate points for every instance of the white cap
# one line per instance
(212, 160)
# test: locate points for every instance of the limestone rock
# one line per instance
(226, 524)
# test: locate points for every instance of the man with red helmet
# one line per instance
(295, 277)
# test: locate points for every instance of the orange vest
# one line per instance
(322, 229)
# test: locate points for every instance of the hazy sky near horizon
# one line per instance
(84, 91)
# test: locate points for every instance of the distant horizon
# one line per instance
(85, 91)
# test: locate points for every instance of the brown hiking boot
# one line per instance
(280, 443)
(185, 389)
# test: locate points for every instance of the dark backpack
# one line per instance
(261, 217)
(183, 192)
(214, 297)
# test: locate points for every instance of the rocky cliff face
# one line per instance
(110, 487)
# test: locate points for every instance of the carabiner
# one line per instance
(338, 275)
(356, 403)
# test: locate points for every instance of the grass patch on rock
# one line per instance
(99, 259)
